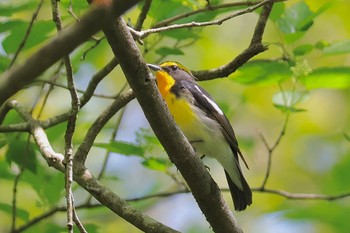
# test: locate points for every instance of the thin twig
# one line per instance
(55, 84)
(71, 11)
(113, 136)
(14, 200)
(254, 48)
(82, 151)
(97, 42)
(303, 196)
(209, 7)
(271, 149)
(83, 176)
(145, 33)
(75, 103)
(77, 222)
(143, 14)
(45, 96)
(26, 35)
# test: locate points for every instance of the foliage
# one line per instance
(304, 75)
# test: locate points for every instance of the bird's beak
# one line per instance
(154, 67)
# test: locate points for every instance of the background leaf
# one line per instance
(262, 72)
(328, 77)
(124, 148)
(288, 100)
(340, 47)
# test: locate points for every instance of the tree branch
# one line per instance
(65, 42)
(75, 106)
(254, 48)
(86, 180)
(145, 33)
(181, 153)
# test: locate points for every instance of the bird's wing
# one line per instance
(205, 102)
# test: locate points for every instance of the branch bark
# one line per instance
(204, 189)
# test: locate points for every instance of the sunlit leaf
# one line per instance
(328, 77)
(20, 213)
(156, 164)
(120, 147)
(288, 100)
(340, 47)
(262, 72)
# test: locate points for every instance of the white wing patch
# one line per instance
(211, 102)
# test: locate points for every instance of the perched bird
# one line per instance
(204, 124)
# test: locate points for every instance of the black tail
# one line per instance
(241, 198)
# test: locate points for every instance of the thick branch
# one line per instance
(65, 42)
(204, 189)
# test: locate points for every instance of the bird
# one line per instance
(204, 124)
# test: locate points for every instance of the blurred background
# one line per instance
(301, 84)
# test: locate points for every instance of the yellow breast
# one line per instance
(181, 111)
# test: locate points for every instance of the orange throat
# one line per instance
(164, 83)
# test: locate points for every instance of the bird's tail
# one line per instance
(241, 198)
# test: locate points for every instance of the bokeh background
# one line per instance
(302, 82)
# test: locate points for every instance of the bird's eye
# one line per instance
(173, 68)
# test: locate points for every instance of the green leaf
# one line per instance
(297, 19)
(340, 47)
(287, 100)
(328, 77)
(322, 44)
(161, 10)
(303, 49)
(20, 213)
(168, 51)
(4, 63)
(22, 152)
(277, 11)
(124, 148)
(158, 164)
(3, 142)
(5, 172)
(49, 184)
(262, 72)
(39, 33)
(13, 7)
(182, 34)
(89, 227)
(347, 137)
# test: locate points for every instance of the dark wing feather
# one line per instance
(208, 105)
